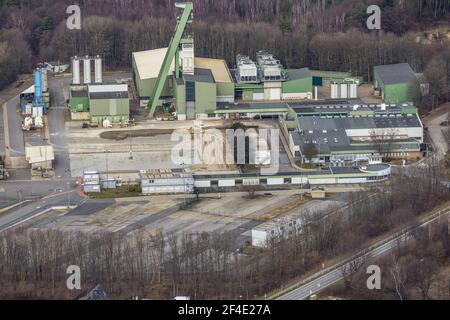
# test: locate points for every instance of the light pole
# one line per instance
(19, 197)
(107, 174)
(68, 187)
(45, 163)
(131, 145)
(184, 184)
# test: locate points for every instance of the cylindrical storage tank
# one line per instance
(353, 90)
(87, 70)
(334, 91)
(75, 70)
(344, 91)
(44, 78)
(37, 86)
(98, 70)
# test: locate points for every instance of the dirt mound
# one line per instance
(125, 134)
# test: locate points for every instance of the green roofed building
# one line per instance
(298, 84)
(99, 102)
(397, 83)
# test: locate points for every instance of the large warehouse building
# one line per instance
(352, 135)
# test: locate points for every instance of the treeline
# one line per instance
(206, 266)
(15, 56)
(314, 33)
(319, 14)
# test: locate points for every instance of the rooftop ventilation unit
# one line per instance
(246, 69)
(271, 68)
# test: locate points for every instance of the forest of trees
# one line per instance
(315, 33)
(416, 270)
(33, 262)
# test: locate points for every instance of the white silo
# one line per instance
(75, 70)
(334, 91)
(353, 91)
(344, 92)
(98, 70)
(87, 70)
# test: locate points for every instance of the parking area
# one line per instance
(232, 212)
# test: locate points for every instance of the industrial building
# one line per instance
(165, 181)
(100, 103)
(40, 157)
(396, 83)
(35, 100)
(91, 181)
(267, 80)
(191, 87)
(324, 78)
(342, 135)
(325, 176)
(193, 94)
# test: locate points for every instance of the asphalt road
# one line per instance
(319, 282)
(2, 134)
(56, 122)
(16, 141)
(14, 191)
(37, 208)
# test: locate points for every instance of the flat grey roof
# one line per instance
(255, 106)
(79, 93)
(329, 133)
(327, 123)
(108, 95)
(200, 75)
(294, 74)
(322, 171)
(396, 73)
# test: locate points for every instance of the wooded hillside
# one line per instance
(323, 34)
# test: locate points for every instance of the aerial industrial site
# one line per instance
(211, 167)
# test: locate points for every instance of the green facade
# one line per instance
(79, 104)
(298, 85)
(205, 97)
(115, 110)
(145, 87)
(179, 97)
(398, 92)
(225, 89)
